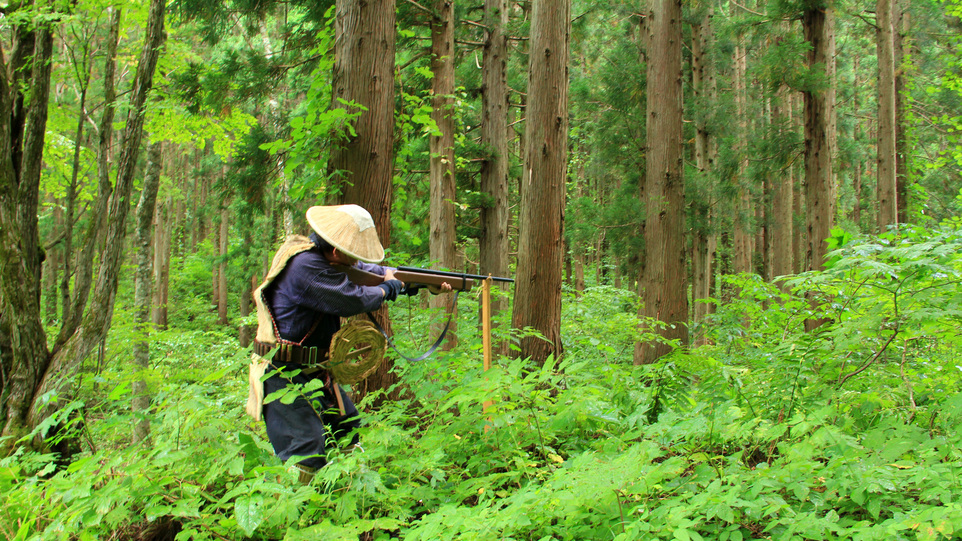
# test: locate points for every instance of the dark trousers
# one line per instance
(299, 429)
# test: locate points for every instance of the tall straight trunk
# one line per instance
(901, 27)
(443, 240)
(142, 287)
(537, 301)
(161, 266)
(23, 343)
(222, 267)
(70, 198)
(819, 29)
(703, 234)
(364, 73)
(887, 203)
(856, 213)
(665, 280)
(782, 194)
(246, 332)
(96, 321)
(493, 244)
(742, 235)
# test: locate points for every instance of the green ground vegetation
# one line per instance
(853, 431)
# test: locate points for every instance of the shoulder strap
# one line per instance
(295, 244)
(433, 348)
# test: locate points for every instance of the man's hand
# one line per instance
(444, 288)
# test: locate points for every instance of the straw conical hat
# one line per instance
(349, 228)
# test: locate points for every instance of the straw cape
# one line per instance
(349, 228)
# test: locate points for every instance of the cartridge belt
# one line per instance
(288, 353)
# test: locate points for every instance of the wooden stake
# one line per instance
(486, 331)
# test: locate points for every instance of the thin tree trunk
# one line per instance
(538, 289)
(887, 203)
(856, 213)
(142, 288)
(665, 278)
(703, 236)
(742, 236)
(443, 240)
(222, 267)
(901, 27)
(782, 230)
(493, 244)
(70, 198)
(161, 267)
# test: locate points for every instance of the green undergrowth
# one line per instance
(852, 431)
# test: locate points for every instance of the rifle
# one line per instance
(417, 277)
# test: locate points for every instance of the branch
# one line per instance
(422, 8)
(753, 12)
(871, 361)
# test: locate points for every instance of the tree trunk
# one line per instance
(537, 301)
(887, 203)
(222, 267)
(856, 212)
(364, 73)
(493, 244)
(782, 195)
(23, 342)
(703, 235)
(901, 26)
(443, 240)
(96, 321)
(742, 235)
(819, 29)
(142, 288)
(246, 332)
(161, 267)
(70, 198)
(665, 280)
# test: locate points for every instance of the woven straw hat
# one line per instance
(349, 228)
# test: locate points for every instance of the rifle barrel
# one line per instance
(455, 274)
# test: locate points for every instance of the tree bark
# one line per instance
(782, 195)
(443, 240)
(23, 345)
(819, 29)
(742, 253)
(161, 267)
(222, 267)
(364, 73)
(665, 280)
(493, 244)
(901, 24)
(887, 202)
(142, 288)
(703, 235)
(537, 301)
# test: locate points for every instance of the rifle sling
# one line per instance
(433, 348)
